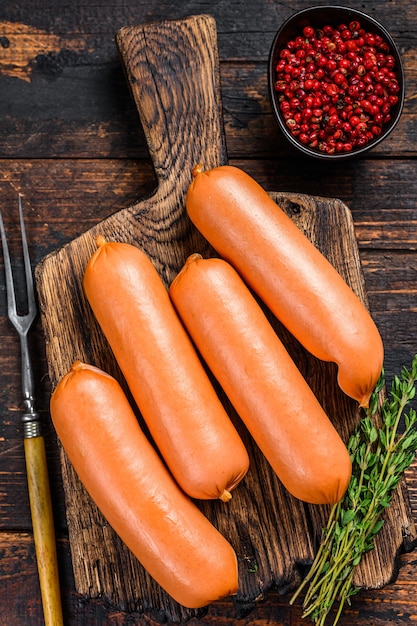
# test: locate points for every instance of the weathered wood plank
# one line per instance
(243, 34)
(86, 190)
(88, 111)
(66, 65)
(19, 583)
(19, 589)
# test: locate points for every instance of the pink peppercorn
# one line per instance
(337, 86)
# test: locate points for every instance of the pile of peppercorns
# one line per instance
(336, 87)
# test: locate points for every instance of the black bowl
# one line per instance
(318, 17)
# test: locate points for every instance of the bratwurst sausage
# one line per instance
(137, 495)
(261, 380)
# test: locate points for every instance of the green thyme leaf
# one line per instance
(380, 456)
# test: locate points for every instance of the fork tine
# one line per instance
(22, 323)
(11, 301)
(28, 270)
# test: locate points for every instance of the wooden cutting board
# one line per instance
(173, 71)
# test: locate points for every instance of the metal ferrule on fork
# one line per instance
(32, 424)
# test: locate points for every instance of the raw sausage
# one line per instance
(131, 486)
(167, 380)
(261, 380)
(303, 290)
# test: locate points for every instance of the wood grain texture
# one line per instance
(70, 64)
(391, 606)
(183, 124)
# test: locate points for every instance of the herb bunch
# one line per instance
(380, 454)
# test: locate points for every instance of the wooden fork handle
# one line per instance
(43, 529)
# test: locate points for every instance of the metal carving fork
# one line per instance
(34, 444)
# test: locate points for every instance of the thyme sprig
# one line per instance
(380, 454)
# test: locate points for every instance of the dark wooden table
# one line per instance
(72, 145)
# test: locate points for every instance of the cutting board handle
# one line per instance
(172, 68)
